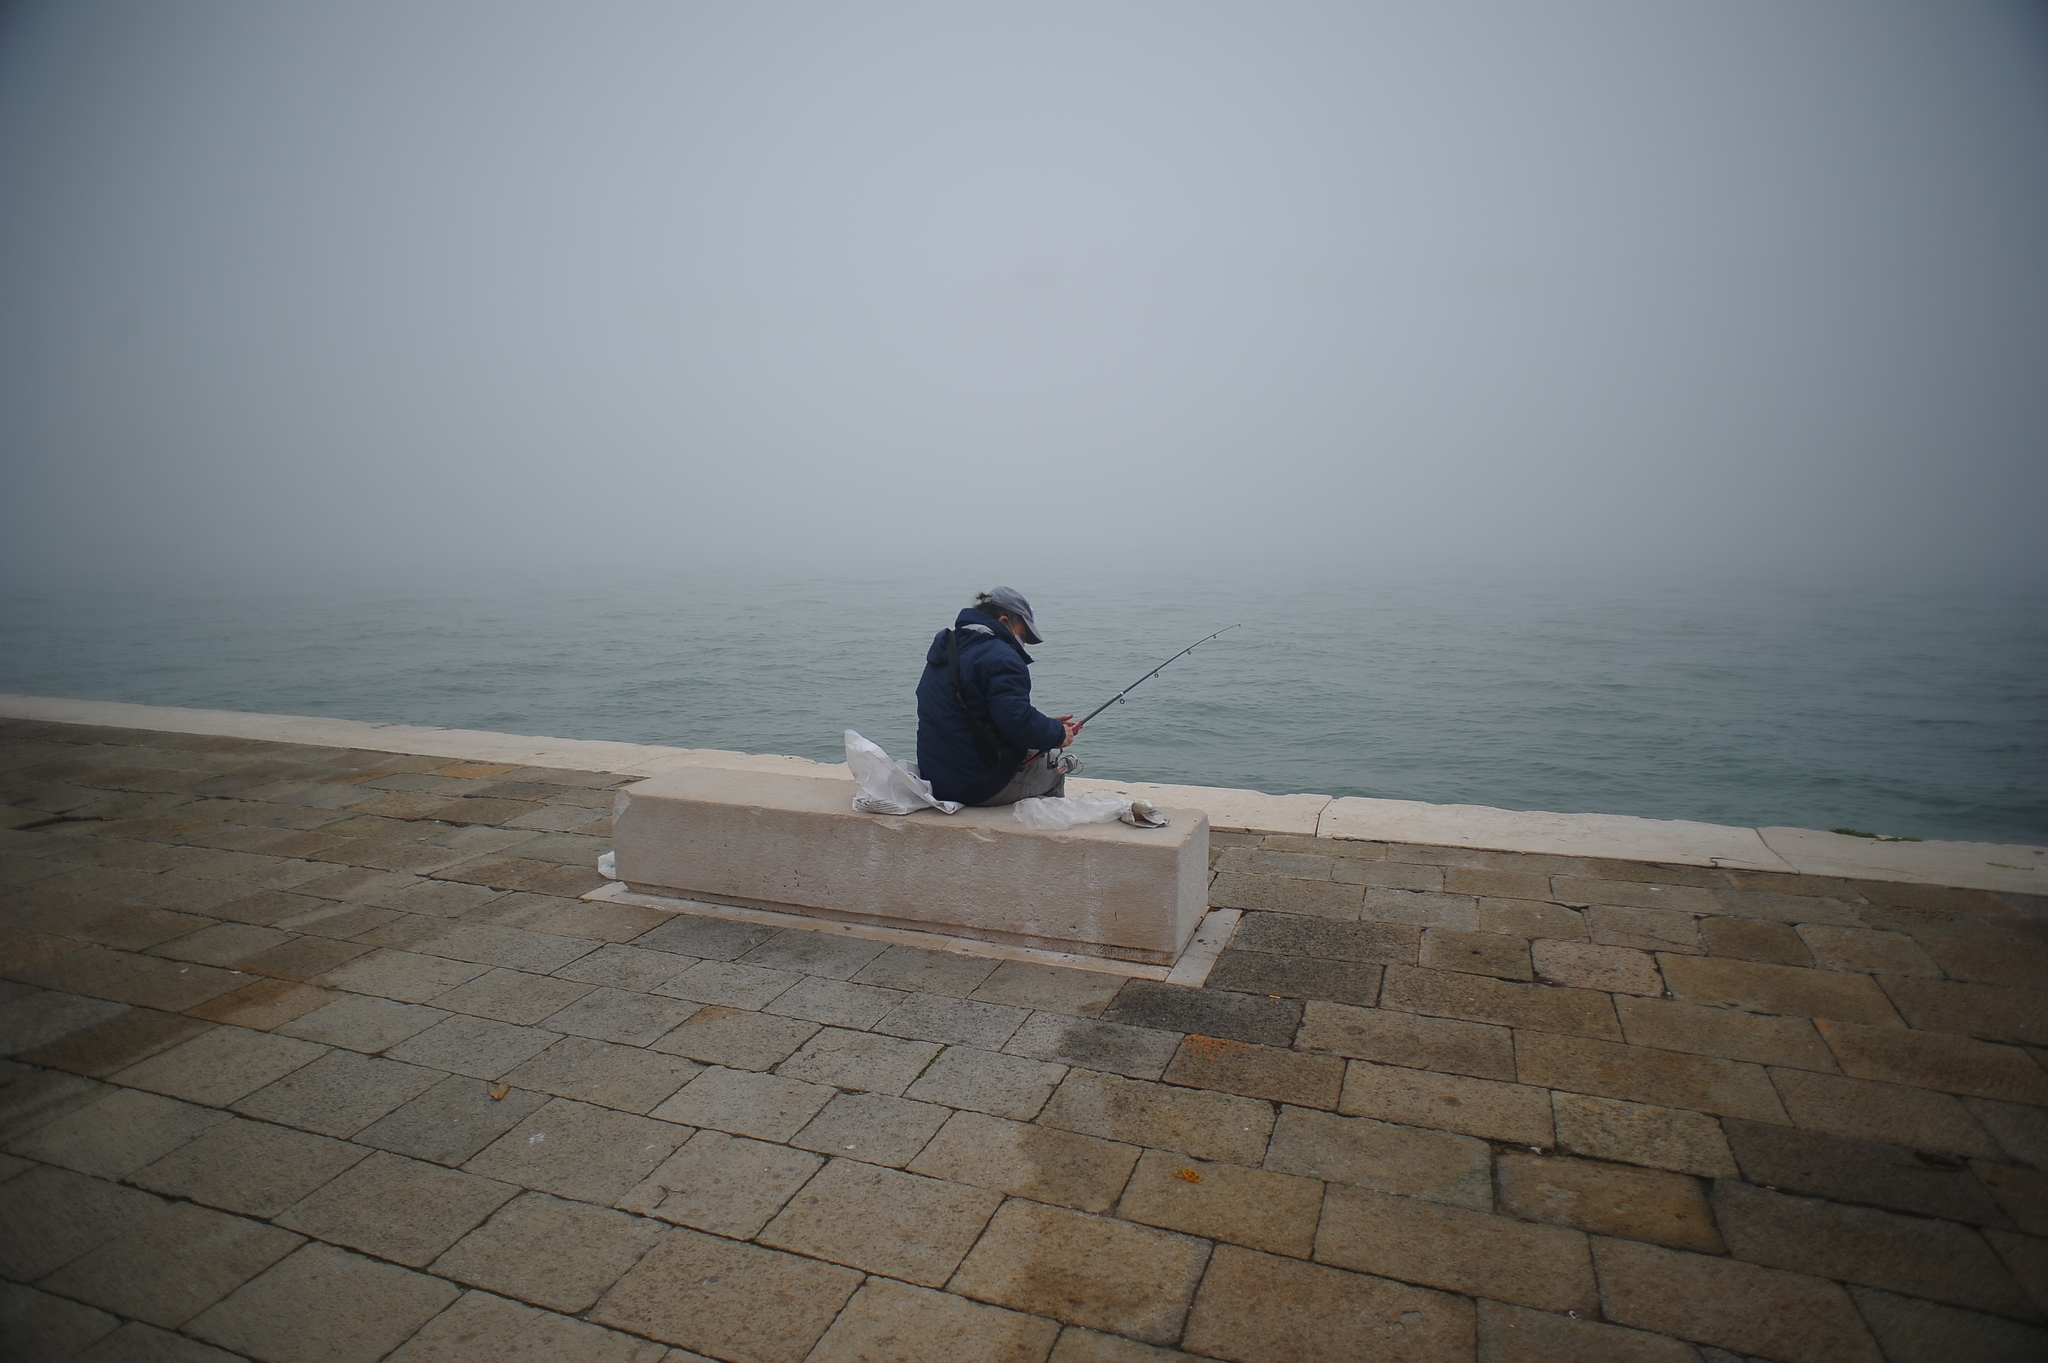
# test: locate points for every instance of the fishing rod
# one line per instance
(1153, 673)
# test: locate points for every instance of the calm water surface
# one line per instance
(1909, 713)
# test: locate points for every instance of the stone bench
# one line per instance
(770, 840)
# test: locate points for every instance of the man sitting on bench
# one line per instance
(979, 741)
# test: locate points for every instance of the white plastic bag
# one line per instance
(608, 865)
(888, 786)
(1050, 813)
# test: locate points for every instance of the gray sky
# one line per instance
(1709, 285)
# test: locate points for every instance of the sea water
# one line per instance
(1920, 713)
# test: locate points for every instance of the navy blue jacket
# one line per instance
(996, 682)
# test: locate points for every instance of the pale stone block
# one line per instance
(53, 1216)
(775, 840)
(1426, 1043)
(1085, 1270)
(873, 1127)
(552, 1253)
(1608, 1199)
(727, 1185)
(1027, 1160)
(578, 1151)
(859, 1060)
(249, 1167)
(35, 1325)
(1914, 1331)
(1735, 1305)
(624, 1077)
(1641, 1133)
(1260, 1306)
(481, 1328)
(217, 1067)
(477, 1047)
(119, 1134)
(891, 1322)
(363, 1022)
(1585, 965)
(884, 1221)
(1090, 1044)
(1091, 1346)
(1728, 1033)
(1726, 1088)
(1673, 841)
(339, 1094)
(1405, 1160)
(214, 1254)
(1515, 1334)
(1448, 1102)
(1476, 1253)
(1891, 1113)
(1055, 989)
(323, 1303)
(396, 1208)
(1207, 1125)
(1257, 1208)
(736, 1038)
(727, 1299)
(450, 1121)
(764, 1106)
(953, 1021)
(988, 1081)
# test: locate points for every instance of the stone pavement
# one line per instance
(316, 1055)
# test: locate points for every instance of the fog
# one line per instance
(603, 287)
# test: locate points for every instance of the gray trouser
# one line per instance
(1038, 776)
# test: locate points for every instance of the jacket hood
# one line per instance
(975, 622)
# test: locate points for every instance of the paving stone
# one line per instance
(1090, 1346)
(1056, 989)
(1644, 929)
(35, 1326)
(1463, 1251)
(49, 1015)
(1907, 1254)
(1257, 1208)
(172, 1264)
(1085, 1270)
(131, 929)
(916, 970)
(953, 1021)
(1257, 1071)
(764, 1106)
(119, 1134)
(1294, 977)
(2022, 1193)
(729, 1300)
(403, 975)
(1087, 1043)
(1865, 1110)
(884, 1221)
(1404, 1160)
(1639, 1074)
(1448, 1102)
(145, 981)
(265, 1005)
(395, 1208)
(1752, 939)
(53, 1216)
(223, 944)
(139, 1343)
(1914, 1331)
(1608, 1199)
(622, 1077)
(1475, 998)
(2021, 1131)
(738, 1039)
(891, 1322)
(1984, 962)
(1216, 1126)
(481, 1328)
(1421, 908)
(987, 1081)
(552, 1253)
(515, 996)
(1584, 965)
(37, 1099)
(1324, 940)
(1641, 1133)
(338, 1094)
(1867, 951)
(624, 967)
(1286, 894)
(1209, 1012)
(1515, 1334)
(327, 1304)
(1394, 875)
(1757, 987)
(1731, 1304)
(1673, 895)
(1844, 1170)
(1936, 1060)
(708, 939)
(814, 953)
(578, 1151)
(835, 1003)
(478, 1047)
(1409, 1039)
(727, 1185)
(1821, 906)
(1027, 1160)
(873, 1127)
(2027, 1258)
(1726, 1033)
(1527, 916)
(1476, 953)
(859, 1060)
(249, 1167)
(362, 1022)
(221, 1065)
(733, 985)
(1259, 1306)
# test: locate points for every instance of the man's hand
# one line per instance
(1073, 730)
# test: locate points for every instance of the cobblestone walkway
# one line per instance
(315, 1055)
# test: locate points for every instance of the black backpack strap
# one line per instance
(987, 741)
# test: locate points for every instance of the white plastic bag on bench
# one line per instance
(1054, 812)
(886, 785)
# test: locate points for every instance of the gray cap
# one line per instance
(1012, 603)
